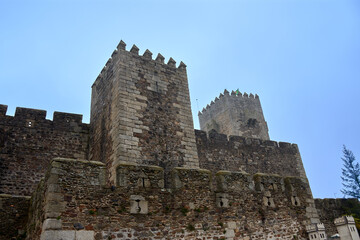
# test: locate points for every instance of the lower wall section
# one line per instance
(74, 203)
(331, 208)
(13, 216)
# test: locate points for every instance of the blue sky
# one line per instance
(302, 57)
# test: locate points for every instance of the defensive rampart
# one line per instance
(218, 152)
(75, 201)
(28, 141)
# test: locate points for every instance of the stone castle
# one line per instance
(139, 170)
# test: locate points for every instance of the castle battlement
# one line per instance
(214, 137)
(235, 114)
(237, 154)
(147, 56)
(28, 140)
(34, 118)
(315, 227)
(344, 220)
(224, 97)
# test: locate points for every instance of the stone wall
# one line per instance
(140, 113)
(231, 205)
(235, 114)
(28, 141)
(13, 216)
(331, 208)
(217, 152)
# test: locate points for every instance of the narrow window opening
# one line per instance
(143, 182)
(138, 205)
(268, 202)
(295, 201)
(221, 202)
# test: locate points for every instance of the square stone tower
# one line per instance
(235, 114)
(141, 114)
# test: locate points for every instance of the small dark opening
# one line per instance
(268, 202)
(295, 201)
(138, 205)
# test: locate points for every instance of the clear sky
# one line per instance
(302, 57)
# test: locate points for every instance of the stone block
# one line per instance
(138, 205)
(230, 233)
(52, 224)
(222, 200)
(231, 225)
(58, 235)
(84, 235)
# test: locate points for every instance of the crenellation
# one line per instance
(121, 45)
(147, 54)
(182, 65)
(238, 153)
(160, 58)
(29, 113)
(3, 109)
(29, 136)
(134, 49)
(171, 63)
(108, 63)
(152, 91)
(68, 118)
(114, 53)
(235, 114)
(284, 145)
(215, 137)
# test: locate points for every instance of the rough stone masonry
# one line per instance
(139, 170)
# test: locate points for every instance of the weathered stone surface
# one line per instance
(152, 176)
(217, 152)
(52, 224)
(188, 211)
(331, 208)
(58, 235)
(84, 235)
(235, 114)
(28, 142)
(13, 216)
(147, 118)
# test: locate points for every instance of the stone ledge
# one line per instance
(67, 235)
(77, 161)
(4, 195)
